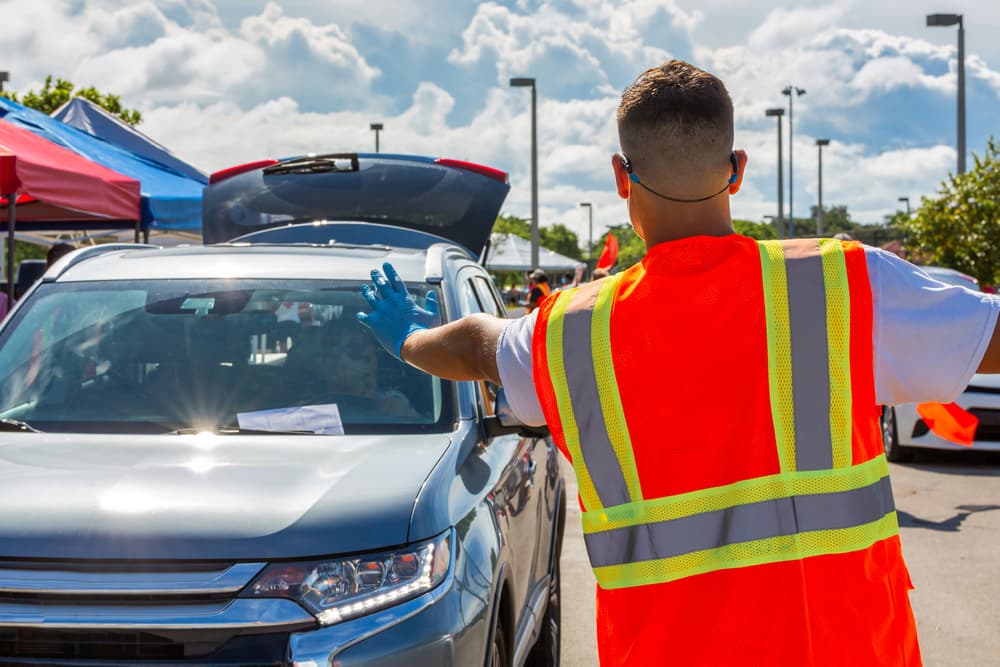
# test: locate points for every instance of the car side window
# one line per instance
(473, 301)
(470, 300)
(488, 298)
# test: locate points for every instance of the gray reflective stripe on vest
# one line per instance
(741, 523)
(810, 362)
(578, 360)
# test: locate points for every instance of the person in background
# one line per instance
(539, 289)
(57, 252)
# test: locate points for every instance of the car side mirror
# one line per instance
(503, 421)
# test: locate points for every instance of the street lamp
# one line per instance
(590, 244)
(944, 20)
(778, 113)
(907, 201)
(376, 128)
(819, 211)
(4, 76)
(525, 82)
(791, 140)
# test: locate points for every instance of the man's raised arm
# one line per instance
(461, 350)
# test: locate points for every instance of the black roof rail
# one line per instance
(82, 254)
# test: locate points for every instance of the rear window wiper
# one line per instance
(17, 425)
(316, 164)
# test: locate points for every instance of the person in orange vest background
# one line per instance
(538, 289)
(719, 404)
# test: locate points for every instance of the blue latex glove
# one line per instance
(395, 314)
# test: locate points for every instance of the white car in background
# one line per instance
(904, 431)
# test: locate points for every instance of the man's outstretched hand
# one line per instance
(395, 314)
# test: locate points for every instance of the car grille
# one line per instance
(83, 615)
(35, 647)
(989, 424)
(109, 645)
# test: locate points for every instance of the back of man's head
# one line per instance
(675, 125)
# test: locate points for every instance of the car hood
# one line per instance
(233, 497)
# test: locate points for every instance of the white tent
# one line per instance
(508, 252)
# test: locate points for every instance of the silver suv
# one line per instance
(206, 460)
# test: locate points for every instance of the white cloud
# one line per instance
(784, 28)
(280, 78)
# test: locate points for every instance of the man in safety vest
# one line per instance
(719, 403)
(539, 289)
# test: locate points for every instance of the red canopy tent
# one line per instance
(46, 187)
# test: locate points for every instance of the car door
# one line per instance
(521, 495)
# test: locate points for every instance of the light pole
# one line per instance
(525, 82)
(778, 113)
(376, 128)
(789, 90)
(907, 200)
(4, 76)
(819, 210)
(945, 20)
(590, 243)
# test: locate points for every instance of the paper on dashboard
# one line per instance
(320, 419)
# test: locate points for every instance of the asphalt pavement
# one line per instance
(949, 514)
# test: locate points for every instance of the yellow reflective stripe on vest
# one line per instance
(838, 323)
(567, 417)
(743, 492)
(607, 385)
(749, 522)
(744, 554)
(779, 350)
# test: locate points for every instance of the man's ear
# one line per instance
(622, 181)
(741, 160)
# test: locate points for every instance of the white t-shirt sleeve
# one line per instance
(516, 371)
(929, 337)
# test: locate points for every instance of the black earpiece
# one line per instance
(736, 168)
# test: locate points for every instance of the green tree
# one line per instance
(561, 239)
(755, 230)
(511, 224)
(52, 96)
(960, 228)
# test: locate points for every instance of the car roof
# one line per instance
(239, 261)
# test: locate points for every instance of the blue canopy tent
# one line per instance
(170, 200)
(92, 119)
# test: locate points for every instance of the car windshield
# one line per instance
(163, 355)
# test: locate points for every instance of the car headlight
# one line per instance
(339, 589)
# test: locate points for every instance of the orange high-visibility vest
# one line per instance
(717, 402)
(545, 290)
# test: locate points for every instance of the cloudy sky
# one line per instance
(229, 81)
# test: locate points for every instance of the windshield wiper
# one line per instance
(17, 425)
(315, 164)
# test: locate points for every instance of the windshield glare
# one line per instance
(158, 356)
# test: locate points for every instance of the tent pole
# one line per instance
(11, 220)
(136, 231)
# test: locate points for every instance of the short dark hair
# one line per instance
(676, 117)
(539, 276)
(58, 251)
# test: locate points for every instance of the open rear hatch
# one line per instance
(456, 200)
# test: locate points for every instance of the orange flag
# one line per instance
(610, 254)
(950, 422)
